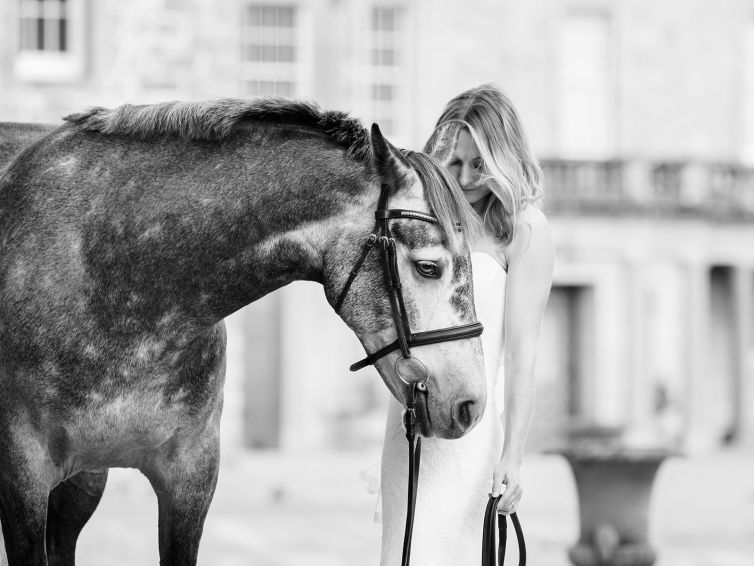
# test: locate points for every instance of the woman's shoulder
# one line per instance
(488, 247)
(532, 217)
(532, 232)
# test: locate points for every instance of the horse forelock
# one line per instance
(217, 119)
(457, 220)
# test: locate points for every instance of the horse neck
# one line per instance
(251, 220)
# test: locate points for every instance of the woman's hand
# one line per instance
(507, 474)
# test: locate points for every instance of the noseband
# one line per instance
(382, 237)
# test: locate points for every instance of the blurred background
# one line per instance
(642, 113)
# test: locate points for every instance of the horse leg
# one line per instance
(70, 506)
(25, 481)
(184, 480)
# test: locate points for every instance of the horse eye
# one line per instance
(428, 269)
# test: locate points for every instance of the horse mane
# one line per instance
(215, 120)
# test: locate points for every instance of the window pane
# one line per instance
(253, 15)
(40, 34)
(252, 52)
(28, 34)
(286, 17)
(63, 34)
(52, 41)
(384, 57)
(269, 16)
(284, 88)
(383, 92)
(270, 53)
(384, 19)
(286, 53)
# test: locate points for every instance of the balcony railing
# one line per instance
(709, 190)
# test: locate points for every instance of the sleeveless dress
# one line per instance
(455, 475)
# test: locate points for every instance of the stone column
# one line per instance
(697, 353)
(639, 431)
(744, 363)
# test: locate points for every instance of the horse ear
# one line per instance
(442, 143)
(387, 160)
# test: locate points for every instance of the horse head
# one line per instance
(431, 258)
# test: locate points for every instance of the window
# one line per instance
(44, 25)
(588, 111)
(269, 50)
(50, 40)
(386, 67)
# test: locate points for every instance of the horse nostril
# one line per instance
(465, 414)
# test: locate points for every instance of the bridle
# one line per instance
(383, 239)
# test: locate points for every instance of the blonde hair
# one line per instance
(511, 171)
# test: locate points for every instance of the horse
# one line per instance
(127, 235)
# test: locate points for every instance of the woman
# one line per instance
(479, 138)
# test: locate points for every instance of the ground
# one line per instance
(275, 510)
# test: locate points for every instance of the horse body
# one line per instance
(111, 265)
(120, 255)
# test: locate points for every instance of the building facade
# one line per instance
(642, 114)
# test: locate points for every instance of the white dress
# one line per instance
(455, 475)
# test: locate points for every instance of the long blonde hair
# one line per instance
(510, 169)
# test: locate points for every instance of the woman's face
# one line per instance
(467, 166)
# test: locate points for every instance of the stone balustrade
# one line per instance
(712, 190)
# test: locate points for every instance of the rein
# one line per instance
(414, 458)
(488, 535)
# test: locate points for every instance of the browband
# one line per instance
(400, 213)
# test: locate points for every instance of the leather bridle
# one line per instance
(383, 239)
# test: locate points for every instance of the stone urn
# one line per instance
(614, 486)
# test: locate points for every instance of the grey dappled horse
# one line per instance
(127, 235)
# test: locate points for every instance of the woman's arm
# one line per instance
(530, 265)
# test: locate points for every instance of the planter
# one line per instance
(614, 485)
